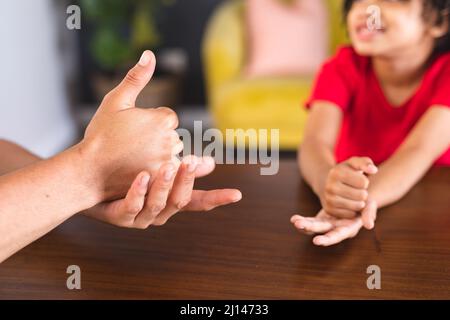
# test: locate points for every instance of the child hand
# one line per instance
(329, 230)
(345, 192)
(154, 203)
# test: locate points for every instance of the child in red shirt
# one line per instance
(379, 114)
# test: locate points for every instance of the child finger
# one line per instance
(343, 203)
(363, 164)
(339, 212)
(313, 225)
(338, 234)
(351, 193)
(354, 178)
(369, 215)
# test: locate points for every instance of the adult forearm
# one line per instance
(39, 197)
(315, 161)
(14, 157)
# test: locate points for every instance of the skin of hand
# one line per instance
(345, 191)
(138, 203)
(328, 230)
(154, 203)
(122, 140)
(346, 204)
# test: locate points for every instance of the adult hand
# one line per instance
(123, 140)
(155, 203)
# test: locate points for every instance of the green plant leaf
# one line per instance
(109, 49)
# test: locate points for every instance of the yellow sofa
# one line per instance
(267, 103)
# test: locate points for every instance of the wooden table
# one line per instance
(245, 251)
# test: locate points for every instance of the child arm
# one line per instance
(316, 153)
(427, 141)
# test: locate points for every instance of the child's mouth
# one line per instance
(364, 33)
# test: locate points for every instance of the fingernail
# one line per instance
(237, 198)
(145, 180)
(373, 168)
(145, 58)
(168, 175)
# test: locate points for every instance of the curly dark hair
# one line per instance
(439, 7)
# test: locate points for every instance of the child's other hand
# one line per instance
(328, 230)
(345, 192)
(153, 203)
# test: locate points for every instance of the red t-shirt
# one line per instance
(371, 126)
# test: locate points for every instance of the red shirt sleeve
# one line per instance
(441, 94)
(336, 80)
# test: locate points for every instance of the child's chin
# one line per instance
(365, 50)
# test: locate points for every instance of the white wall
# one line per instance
(33, 102)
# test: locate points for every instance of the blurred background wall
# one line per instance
(34, 109)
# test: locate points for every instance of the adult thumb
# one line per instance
(135, 81)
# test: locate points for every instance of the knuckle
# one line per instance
(132, 208)
(333, 172)
(364, 182)
(167, 140)
(156, 209)
(327, 199)
(334, 189)
(109, 96)
(169, 116)
(339, 175)
(353, 159)
(362, 195)
(331, 199)
(175, 136)
(329, 188)
(328, 208)
(181, 204)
